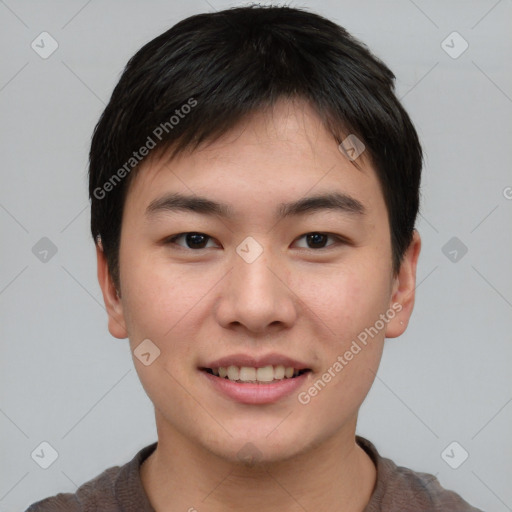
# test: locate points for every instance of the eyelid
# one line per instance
(339, 240)
(171, 240)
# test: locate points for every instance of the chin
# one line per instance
(255, 449)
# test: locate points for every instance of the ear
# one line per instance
(404, 288)
(113, 303)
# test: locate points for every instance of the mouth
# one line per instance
(254, 380)
(269, 374)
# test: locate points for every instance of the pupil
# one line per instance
(316, 238)
(195, 239)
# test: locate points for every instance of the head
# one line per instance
(256, 109)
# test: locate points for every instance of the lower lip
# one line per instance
(248, 393)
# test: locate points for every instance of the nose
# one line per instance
(256, 295)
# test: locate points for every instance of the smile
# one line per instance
(251, 375)
(254, 385)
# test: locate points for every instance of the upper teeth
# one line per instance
(249, 374)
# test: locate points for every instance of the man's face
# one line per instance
(256, 289)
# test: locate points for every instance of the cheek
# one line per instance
(157, 298)
(345, 300)
(348, 304)
(158, 304)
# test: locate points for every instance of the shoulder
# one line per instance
(96, 494)
(399, 488)
(117, 488)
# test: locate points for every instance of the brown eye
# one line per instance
(193, 240)
(318, 240)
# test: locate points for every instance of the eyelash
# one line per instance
(338, 240)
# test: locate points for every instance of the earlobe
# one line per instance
(111, 298)
(404, 287)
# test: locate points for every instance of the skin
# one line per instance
(304, 302)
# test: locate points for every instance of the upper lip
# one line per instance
(256, 362)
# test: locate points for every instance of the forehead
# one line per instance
(272, 156)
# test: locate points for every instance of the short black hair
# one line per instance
(200, 78)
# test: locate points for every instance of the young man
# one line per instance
(254, 185)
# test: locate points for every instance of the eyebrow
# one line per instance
(333, 201)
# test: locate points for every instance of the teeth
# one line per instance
(248, 374)
(265, 374)
(279, 372)
(233, 372)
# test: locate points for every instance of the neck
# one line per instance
(332, 476)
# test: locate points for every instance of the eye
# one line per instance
(193, 240)
(317, 240)
(196, 240)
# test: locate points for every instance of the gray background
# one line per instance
(66, 381)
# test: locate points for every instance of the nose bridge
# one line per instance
(254, 276)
